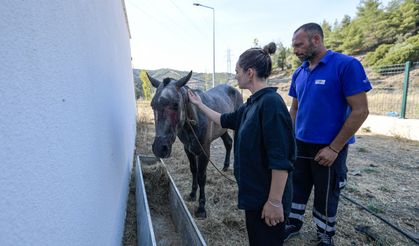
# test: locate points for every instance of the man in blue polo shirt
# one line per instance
(329, 105)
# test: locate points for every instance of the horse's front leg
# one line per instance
(194, 167)
(202, 179)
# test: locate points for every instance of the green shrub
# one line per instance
(402, 52)
(293, 61)
(374, 57)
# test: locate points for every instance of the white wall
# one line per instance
(67, 122)
(393, 126)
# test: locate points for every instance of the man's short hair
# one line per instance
(311, 29)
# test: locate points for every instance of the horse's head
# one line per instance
(169, 112)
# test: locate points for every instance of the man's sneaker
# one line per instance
(324, 239)
(291, 231)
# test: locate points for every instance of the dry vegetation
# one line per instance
(382, 175)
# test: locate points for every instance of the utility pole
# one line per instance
(213, 39)
(228, 63)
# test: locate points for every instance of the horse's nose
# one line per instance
(160, 149)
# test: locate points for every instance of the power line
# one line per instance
(189, 19)
(159, 21)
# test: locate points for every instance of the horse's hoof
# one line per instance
(191, 197)
(225, 169)
(201, 214)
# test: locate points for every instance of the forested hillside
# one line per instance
(384, 34)
(201, 81)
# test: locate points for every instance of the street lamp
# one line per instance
(213, 40)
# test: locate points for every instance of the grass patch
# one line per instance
(376, 206)
(362, 150)
(384, 189)
(369, 170)
(352, 189)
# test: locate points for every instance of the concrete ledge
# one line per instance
(392, 126)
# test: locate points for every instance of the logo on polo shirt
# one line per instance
(320, 82)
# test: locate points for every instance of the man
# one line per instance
(329, 105)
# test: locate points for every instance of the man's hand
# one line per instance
(326, 156)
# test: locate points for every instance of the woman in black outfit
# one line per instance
(264, 148)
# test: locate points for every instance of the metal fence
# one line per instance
(395, 90)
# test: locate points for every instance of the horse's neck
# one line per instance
(191, 115)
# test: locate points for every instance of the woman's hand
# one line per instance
(273, 213)
(195, 99)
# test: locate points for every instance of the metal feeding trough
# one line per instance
(184, 225)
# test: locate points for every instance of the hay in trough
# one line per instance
(130, 230)
(156, 182)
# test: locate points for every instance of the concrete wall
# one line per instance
(392, 126)
(67, 122)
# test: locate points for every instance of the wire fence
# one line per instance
(386, 97)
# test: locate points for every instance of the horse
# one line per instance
(175, 115)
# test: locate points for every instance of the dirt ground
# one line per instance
(382, 176)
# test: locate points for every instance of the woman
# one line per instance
(264, 148)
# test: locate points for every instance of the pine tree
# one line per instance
(281, 55)
(371, 20)
(409, 16)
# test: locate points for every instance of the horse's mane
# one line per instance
(166, 81)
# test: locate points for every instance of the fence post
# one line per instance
(405, 89)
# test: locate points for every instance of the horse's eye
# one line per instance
(175, 106)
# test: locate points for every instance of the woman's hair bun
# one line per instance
(270, 48)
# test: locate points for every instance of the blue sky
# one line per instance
(175, 34)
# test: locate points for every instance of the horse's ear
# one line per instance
(153, 81)
(181, 82)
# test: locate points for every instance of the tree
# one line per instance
(371, 20)
(293, 61)
(146, 84)
(327, 33)
(402, 52)
(373, 58)
(353, 40)
(409, 16)
(335, 38)
(281, 56)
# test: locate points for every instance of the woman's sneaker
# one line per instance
(291, 231)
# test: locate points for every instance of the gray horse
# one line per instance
(175, 116)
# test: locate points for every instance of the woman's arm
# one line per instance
(273, 212)
(213, 115)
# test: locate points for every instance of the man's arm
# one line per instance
(359, 113)
(293, 111)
